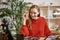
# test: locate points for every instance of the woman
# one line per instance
(35, 26)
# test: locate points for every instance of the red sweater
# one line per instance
(38, 28)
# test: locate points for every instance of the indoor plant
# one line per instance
(14, 10)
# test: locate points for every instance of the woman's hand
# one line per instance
(25, 17)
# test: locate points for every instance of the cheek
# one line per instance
(31, 14)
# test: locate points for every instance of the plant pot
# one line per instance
(19, 37)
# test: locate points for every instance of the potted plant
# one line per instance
(15, 10)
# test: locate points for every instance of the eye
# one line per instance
(34, 12)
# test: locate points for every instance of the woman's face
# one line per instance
(34, 13)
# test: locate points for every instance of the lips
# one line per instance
(33, 17)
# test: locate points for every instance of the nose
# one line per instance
(33, 14)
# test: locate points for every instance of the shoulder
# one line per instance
(41, 18)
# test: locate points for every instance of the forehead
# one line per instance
(34, 10)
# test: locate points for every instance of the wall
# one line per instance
(44, 2)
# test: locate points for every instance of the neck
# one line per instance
(37, 17)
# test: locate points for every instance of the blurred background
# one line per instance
(14, 9)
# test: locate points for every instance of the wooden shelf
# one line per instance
(53, 18)
(56, 13)
(50, 6)
(48, 14)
